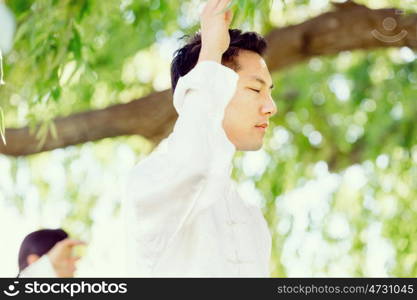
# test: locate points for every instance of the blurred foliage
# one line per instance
(350, 118)
(356, 108)
(73, 50)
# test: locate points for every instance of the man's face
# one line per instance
(251, 105)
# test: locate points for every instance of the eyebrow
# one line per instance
(254, 77)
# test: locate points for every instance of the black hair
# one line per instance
(186, 57)
(39, 243)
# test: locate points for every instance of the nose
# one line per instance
(269, 108)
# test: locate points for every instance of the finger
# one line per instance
(71, 243)
(229, 16)
(222, 4)
(211, 4)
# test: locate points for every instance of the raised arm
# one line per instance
(58, 262)
(164, 190)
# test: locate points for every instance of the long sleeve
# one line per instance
(164, 190)
(40, 268)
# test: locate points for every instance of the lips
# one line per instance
(263, 125)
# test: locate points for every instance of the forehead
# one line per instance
(253, 65)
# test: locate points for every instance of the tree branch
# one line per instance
(147, 116)
(348, 27)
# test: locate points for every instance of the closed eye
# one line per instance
(255, 90)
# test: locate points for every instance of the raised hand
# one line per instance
(62, 259)
(215, 22)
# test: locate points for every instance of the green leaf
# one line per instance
(53, 129)
(42, 134)
(56, 92)
(75, 43)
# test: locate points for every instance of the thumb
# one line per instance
(229, 16)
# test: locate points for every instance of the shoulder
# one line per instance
(148, 166)
(248, 195)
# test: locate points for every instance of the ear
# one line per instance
(32, 258)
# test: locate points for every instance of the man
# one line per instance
(184, 215)
(47, 253)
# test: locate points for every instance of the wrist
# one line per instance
(53, 262)
(210, 55)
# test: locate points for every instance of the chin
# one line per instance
(250, 147)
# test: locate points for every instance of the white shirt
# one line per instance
(184, 215)
(40, 268)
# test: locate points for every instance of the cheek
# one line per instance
(239, 117)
